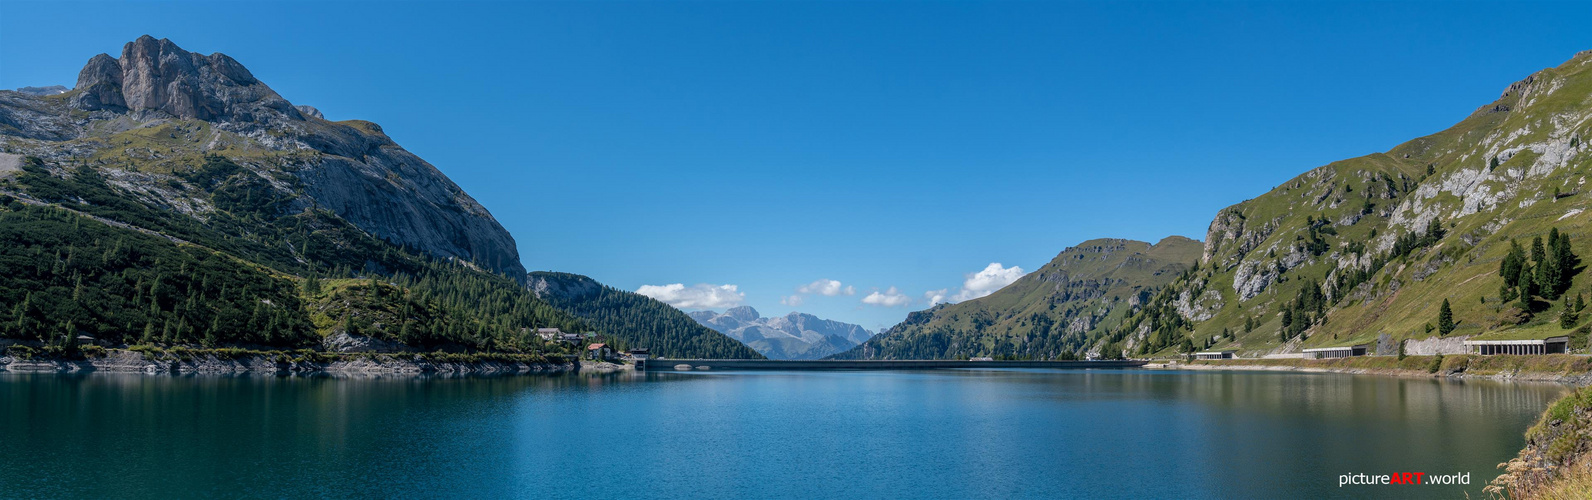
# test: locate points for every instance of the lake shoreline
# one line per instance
(220, 362)
(1557, 368)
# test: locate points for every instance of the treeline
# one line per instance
(215, 291)
(62, 275)
(628, 320)
(421, 313)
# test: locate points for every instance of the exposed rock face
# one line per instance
(309, 111)
(100, 85)
(1436, 345)
(351, 168)
(546, 287)
(158, 75)
(343, 342)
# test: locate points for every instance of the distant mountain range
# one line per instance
(630, 319)
(792, 336)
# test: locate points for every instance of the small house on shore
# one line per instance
(549, 334)
(599, 352)
(1346, 351)
(1222, 354)
(1489, 347)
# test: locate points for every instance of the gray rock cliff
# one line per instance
(351, 167)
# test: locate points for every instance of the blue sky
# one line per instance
(768, 145)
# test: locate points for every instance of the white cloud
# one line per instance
(935, 297)
(699, 296)
(828, 288)
(890, 298)
(793, 301)
(992, 278)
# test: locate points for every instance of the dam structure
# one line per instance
(904, 364)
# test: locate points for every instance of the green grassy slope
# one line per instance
(1053, 312)
(1337, 230)
(253, 217)
(1356, 251)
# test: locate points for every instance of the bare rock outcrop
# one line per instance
(352, 168)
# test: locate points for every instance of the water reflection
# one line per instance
(945, 434)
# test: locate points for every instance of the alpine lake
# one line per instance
(1007, 433)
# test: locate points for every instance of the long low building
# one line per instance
(1550, 345)
(1336, 352)
(1224, 354)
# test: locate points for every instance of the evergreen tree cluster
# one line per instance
(62, 275)
(1548, 273)
(1308, 308)
(427, 315)
(229, 280)
(627, 319)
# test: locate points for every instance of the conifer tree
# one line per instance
(1538, 254)
(1445, 319)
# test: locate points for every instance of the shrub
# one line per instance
(21, 352)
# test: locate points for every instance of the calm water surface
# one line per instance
(931, 434)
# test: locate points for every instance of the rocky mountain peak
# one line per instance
(359, 172)
(792, 336)
(743, 313)
(157, 75)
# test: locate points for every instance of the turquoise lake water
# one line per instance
(736, 435)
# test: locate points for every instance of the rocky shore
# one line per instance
(223, 363)
(1556, 462)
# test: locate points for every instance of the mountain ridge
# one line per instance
(173, 200)
(1052, 312)
(1361, 250)
(795, 335)
(158, 109)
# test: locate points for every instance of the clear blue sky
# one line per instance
(771, 144)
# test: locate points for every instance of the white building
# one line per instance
(1550, 345)
(1336, 352)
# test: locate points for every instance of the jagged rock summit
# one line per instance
(159, 110)
(158, 75)
(792, 336)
